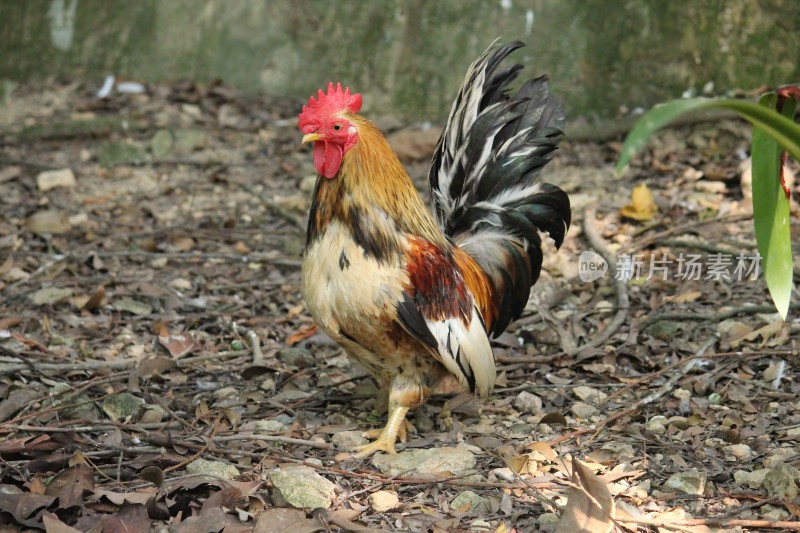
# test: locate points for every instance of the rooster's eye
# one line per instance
(337, 126)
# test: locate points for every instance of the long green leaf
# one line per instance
(782, 129)
(771, 210)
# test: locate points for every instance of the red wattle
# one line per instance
(327, 158)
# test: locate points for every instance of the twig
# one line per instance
(163, 440)
(276, 438)
(57, 408)
(723, 523)
(713, 317)
(650, 398)
(698, 245)
(252, 338)
(99, 427)
(248, 258)
(620, 288)
(684, 228)
(201, 451)
(121, 364)
(36, 273)
(676, 364)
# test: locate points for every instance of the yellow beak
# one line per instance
(311, 137)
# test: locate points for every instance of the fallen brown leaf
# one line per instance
(642, 206)
(590, 507)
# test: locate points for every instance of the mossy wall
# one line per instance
(408, 56)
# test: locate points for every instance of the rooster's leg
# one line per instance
(406, 391)
(388, 436)
(405, 428)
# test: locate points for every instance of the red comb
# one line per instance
(335, 101)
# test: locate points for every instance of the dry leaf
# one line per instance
(772, 334)
(544, 449)
(70, 485)
(52, 524)
(177, 345)
(684, 298)
(301, 334)
(590, 507)
(96, 300)
(642, 206)
(517, 463)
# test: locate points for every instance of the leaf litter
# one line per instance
(158, 369)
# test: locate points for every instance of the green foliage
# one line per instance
(771, 209)
(772, 133)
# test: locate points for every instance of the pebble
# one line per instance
(270, 427)
(752, 480)
(583, 410)
(226, 392)
(52, 179)
(299, 357)
(527, 403)
(690, 482)
(426, 461)
(472, 503)
(212, 468)
(548, 521)
(348, 440)
(657, 424)
(383, 501)
(589, 395)
(737, 452)
(780, 481)
(302, 488)
(794, 432)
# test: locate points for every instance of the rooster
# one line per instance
(413, 295)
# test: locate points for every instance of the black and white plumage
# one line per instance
(483, 177)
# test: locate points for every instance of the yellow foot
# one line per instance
(395, 426)
(382, 444)
(402, 433)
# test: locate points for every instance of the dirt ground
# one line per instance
(158, 368)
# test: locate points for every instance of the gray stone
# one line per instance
(226, 393)
(583, 410)
(51, 179)
(301, 487)
(737, 452)
(752, 480)
(299, 357)
(83, 404)
(290, 395)
(477, 504)
(50, 295)
(589, 394)
(426, 462)
(548, 521)
(780, 481)
(269, 427)
(528, 403)
(114, 153)
(177, 142)
(122, 406)
(348, 440)
(657, 424)
(383, 501)
(132, 306)
(690, 482)
(212, 468)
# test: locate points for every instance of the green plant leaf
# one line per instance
(771, 209)
(782, 129)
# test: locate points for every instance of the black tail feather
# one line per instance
(484, 174)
